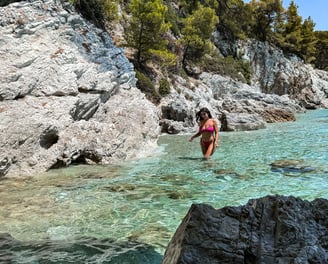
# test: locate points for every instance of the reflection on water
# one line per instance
(128, 213)
(83, 250)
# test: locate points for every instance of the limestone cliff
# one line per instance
(280, 87)
(67, 94)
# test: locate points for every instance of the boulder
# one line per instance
(272, 229)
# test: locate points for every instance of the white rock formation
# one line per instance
(67, 94)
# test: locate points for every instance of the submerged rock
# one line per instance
(272, 229)
(290, 166)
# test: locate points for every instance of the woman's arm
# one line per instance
(216, 130)
(194, 136)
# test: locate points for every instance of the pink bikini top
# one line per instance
(209, 129)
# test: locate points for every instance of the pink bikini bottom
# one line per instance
(206, 144)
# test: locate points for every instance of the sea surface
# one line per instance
(129, 212)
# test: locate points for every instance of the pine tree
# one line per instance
(98, 11)
(187, 7)
(321, 61)
(293, 29)
(147, 27)
(234, 19)
(278, 30)
(308, 41)
(197, 31)
(267, 16)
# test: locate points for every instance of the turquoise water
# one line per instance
(128, 213)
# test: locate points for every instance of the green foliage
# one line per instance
(321, 55)
(111, 9)
(236, 69)
(266, 14)
(284, 28)
(97, 11)
(197, 31)
(234, 19)
(165, 58)
(193, 22)
(147, 87)
(173, 19)
(279, 29)
(244, 68)
(147, 28)
(182, 72)
(308, 41)
(151, 24)
(164, 87)
(187, 7)
(293, 29)
(145, 84)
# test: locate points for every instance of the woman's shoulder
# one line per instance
(202, 122)
(214, 120)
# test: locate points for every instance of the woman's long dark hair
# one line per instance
(202, 110)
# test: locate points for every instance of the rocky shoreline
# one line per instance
(68, 95)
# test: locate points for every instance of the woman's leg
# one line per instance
(209, 150)
(203, 146)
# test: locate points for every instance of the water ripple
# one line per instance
(128, 213)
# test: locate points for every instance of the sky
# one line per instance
(316, 9)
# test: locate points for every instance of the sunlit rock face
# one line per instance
(279, 87)
(274, 72)
(67, 94)
(272, 229)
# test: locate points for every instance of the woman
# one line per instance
(208, 130)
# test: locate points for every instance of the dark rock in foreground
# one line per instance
(272, 229)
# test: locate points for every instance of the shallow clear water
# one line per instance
(128, 213)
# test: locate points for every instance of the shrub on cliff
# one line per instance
(164, 87)
(97, 11)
